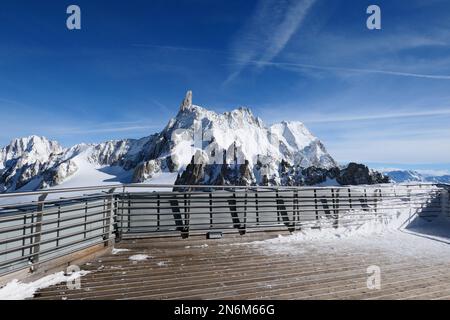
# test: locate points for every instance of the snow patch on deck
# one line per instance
(139, 257)
(115, 251)
(390, 236)
(17, 290)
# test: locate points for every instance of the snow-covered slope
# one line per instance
(25, 158)
(404, 176)
(233, 147)
(29, 150)
(303, 148)
(35, 162)
(238, 140)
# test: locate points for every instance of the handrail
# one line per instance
(58, 190)
(217, 187)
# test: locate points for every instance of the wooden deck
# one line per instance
(231, 268)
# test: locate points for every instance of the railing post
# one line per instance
(158, 212)
(257, 207)
(445, 202)
(350, 198)
(232, 203)
(283, 215)
(210, 210)
(122, 208)
(85, 218)
(37, 231)
(119, 217)
(365, 202)
(336, 208)
(375, 201)
(186, 220)
(278, 207)
(58, 225)
(109, 219)
(24, 233)
(408, 192)
(316, 206)
(129, 212)
(380, 200)
(245, 213)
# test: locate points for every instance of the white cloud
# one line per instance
(86, 130)
(381, 116)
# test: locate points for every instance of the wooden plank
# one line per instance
(231, 269)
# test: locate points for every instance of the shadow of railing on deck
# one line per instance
(432, 223)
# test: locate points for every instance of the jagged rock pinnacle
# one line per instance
(187, 102)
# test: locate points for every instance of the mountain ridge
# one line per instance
(405, 176)
(233, 147)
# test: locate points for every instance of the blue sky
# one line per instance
(380, 97)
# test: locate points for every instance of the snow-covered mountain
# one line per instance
(404, 176)
(198, 146)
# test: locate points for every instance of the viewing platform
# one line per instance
(151, 242)
(233, 269)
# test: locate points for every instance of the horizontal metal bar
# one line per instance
(52, 202)
(54, 230)
(51, 221)
(5, 272)
(291, 194)
(21, 216)
(213, 187)
(77, 233)
(273, 210)
(51, 250)
(342, 205)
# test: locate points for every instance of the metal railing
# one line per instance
(36, 227)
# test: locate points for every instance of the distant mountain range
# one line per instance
(198, 146)
(403, 176)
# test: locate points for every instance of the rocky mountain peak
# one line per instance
(187, 102)
(33, 148)
(234, 147)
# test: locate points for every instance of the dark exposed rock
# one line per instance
(187, 102)
(146, 170)
(245, 174)
(353, 174)
(359, 174)
(314, 176)
(215, 174)
(55, 175)
(193, 175)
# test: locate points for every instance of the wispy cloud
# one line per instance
(436, 173)
(136, 126)
(348, 118)
(177, 48)
(268, 31)
(298, 67)
(82, 131)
